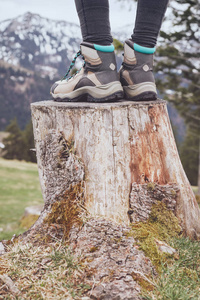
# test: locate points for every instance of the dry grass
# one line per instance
(42, 272)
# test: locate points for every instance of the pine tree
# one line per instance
(29, 153)
(190, 161)
(19, 144)
(179, 69)
(14, 143)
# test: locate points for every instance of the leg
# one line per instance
(149, 18)
(136, 73)
(98, 80)
(94, 21)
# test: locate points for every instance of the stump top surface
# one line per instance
(87, 105)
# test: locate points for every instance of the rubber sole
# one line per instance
(103, 93)
(146, 96)
(88, 98)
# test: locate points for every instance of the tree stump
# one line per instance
(125, 154)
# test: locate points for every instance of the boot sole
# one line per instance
(142, 91)
(105, 93)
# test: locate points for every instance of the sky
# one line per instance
(65, 10)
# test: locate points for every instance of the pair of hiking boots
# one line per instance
(98, 80)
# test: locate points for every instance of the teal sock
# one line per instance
(101, 48)
(143, 49)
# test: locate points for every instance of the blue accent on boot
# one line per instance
(101, 48)
(142, 49)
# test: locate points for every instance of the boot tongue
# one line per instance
(129, 43)
(133, 57)
(129, 54)
(87, 44)
(90, 54)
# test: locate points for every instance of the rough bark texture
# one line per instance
(199, 171)
(121, 146)
(59, 170)
(112, 259)
(143, 196)
(60, 167)
(114, 267)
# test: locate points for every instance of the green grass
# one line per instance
(180, 278)
(19, 188)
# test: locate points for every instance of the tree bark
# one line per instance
(123, 151)
(199, 171)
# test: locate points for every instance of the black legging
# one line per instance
(95, 23)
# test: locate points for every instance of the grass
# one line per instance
(51, 271)
(19, 188)
(180, 278)
(43, 272)
(161, 225)
(195, 189)
(179, 273)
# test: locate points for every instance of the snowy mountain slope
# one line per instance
(38, 43)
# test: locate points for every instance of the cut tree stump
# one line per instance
(125, 154)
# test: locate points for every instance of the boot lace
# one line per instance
(72, 65)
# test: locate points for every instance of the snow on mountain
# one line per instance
(36, 43)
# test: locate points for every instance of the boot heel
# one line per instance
(141, 91)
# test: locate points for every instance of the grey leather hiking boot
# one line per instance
(136, 73)
(97, 81)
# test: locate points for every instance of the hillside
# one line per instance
(38, 43)
(18, 88)
(19, 188)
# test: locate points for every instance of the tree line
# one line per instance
(19, 144)
(179, 64)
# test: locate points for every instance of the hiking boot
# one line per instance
(97, 81)
(136, 72)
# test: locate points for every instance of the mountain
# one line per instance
(35, 52)
(39, 44)
(18, 88)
